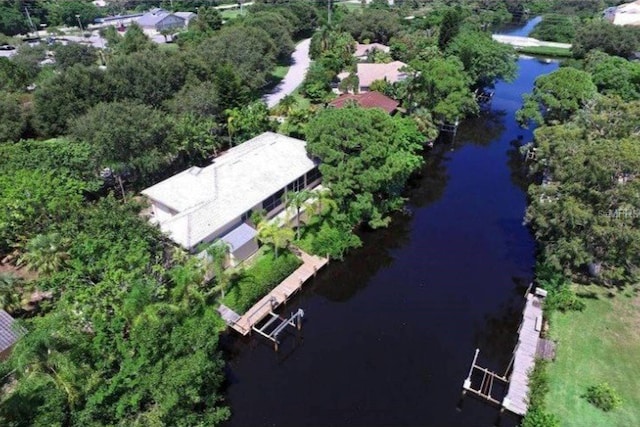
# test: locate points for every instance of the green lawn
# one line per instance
(555, 52)
(229, 14)
(280, 71)
(599, 344)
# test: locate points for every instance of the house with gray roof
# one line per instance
(160, 19)
(199, 205)
(10, 333)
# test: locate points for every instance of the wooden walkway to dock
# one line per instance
(530, 347)
(524, 360)
(245, 323)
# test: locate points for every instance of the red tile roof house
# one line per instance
(367, 100)
(368, 73)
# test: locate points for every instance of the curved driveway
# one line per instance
(295, 75)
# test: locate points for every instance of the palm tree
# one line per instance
(233, 115)
(275, 234)
(9, 296)
(43, 356)
(45, 253)
(286, 105)
(321, 200)
(297, 200)
(218, 253)
(187, 280)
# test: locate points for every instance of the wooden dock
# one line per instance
(525, 354)
(245, 323)
(530, 346)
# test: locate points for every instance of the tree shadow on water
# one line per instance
(497, 338)
(341, 280)
(482, 130)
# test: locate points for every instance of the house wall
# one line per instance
(4, 355)
(222, 230)
(170, 21)
(162, 212)
(238, 220)
(244, 252)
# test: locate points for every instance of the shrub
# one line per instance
(537, 417)
(334, 241)
(256, 281)
(560, 295)
(603, 396)
(538, 383)
(538, 388)
(563, 299)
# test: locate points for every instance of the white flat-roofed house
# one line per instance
(624, 14)
(199, 205)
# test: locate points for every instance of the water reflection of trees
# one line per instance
(342, 280)
(499, 334)
(428, 186)
(517, 165)
(482, 130)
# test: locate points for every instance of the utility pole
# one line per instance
(81, 27)
(33, 27)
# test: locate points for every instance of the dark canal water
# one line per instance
(389, 334)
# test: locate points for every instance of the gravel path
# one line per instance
(294, 76)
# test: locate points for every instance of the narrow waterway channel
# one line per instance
(390, 332)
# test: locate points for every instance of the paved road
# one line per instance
(232, 6)
(294, 76)
(527, 42)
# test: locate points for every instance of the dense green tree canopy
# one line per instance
(149, 77)
(614, 75)
(449, 27)
(586, 212)
(367, 157)
(200, 99)
(64, 12)
(440, 85)
(125, 136)
(74, 53)
(32, 200)
(208, 19)
(67, 96)
(560, 94)
(410, 45)
(556, 28)
(249, 50)
(279, 29)
(12, 20)
(13, 120)
(485, 60)
(13, 77)
(372, 25)
(609, 38)
(246, 122)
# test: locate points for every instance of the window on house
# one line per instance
(296, 185)
(313, 175)
(272, 202)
